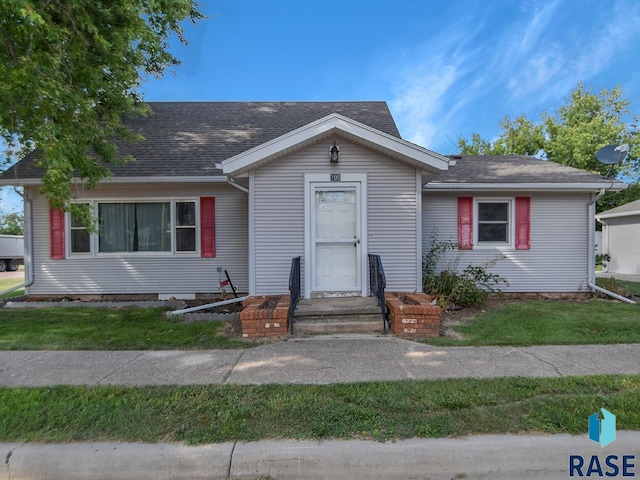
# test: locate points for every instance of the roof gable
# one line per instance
(349, 129)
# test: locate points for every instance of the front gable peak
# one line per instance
(331, 125)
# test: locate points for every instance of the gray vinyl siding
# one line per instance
(147, 274)
(624, 244)
(280, 213)
(557, 260)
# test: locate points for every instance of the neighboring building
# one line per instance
(621, 238)
(246, 186)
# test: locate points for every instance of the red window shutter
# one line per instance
(208, 227)
(56, 232)
(465, 223)
(523, 223)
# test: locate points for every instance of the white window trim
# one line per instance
(174, 227)
(67, 236)
(95, 243)
(511, 229)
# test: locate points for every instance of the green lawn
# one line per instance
(83, 328)
(631, 287)
(7, 283)
(381, 411)
(544, 322)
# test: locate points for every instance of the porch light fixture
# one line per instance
(334, 153)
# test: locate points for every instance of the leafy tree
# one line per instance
(571, 135)
(615, 199)
(587, 123)
(519, 136)
(12, 224)
(70, 71)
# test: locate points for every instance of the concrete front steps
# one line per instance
(337, 315)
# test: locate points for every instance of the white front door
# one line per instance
(335, 235)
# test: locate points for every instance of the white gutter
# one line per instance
(591, 248)
(616, 215)
(577, 187)
(125, 180)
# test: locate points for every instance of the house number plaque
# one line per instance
(335, 177)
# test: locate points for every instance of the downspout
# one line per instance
(28, 249)
(235, 184)
(592, 250)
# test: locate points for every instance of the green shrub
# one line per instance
(603, 259)
(612, 285)
(452, 287)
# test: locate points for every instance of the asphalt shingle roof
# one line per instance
(189, 138)
(512, 169)
(626, 208)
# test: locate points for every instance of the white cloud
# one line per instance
(426, 85)
(567, 52)
(501, 62)
(418, 101)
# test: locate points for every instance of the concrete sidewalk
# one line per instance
(318, 360)
(497, 457)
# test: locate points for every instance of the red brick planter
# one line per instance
(412, 316)
(265, 316)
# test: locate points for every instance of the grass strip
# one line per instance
(544, 322)
(381, 411)
(7, 283)
(107, 329)
(632, 287)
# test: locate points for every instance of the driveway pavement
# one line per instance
(319, 360)
(10, 275)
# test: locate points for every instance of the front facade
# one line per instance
(246, 187)
(620, 234)
(70, 261)
(553, 260)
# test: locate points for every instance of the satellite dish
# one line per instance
(612, 154)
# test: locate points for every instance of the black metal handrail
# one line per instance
(294, 289)
(377, 284)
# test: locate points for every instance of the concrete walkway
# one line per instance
(318, 360)
(629, 277)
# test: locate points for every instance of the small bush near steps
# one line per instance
(453, 287)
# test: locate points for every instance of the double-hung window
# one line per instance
(494, 222)
(185, 221)
(79, 237)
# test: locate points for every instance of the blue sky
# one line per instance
(445, 68)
